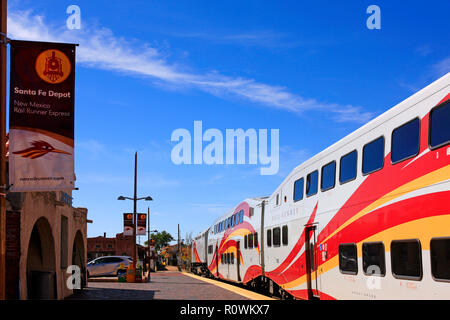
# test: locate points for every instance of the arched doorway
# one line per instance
(78, 256)
(41, 266)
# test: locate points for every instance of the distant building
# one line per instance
(119, 246)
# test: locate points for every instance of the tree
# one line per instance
(162, 239)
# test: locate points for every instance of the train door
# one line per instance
(238, 260)
(311, 262)
(217, 260)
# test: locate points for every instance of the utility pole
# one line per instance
(148, 243)
(3, 44)
(178, 251)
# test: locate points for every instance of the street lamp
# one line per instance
(135, 199)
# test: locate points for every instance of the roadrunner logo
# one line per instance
(38, 149)
(53, 66)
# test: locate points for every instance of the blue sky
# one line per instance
(311, 69)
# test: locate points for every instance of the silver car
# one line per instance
(107, 266)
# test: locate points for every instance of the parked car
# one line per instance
(107, 266)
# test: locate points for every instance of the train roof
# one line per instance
(252, 202)
(438, 85)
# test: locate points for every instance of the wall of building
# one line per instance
(49, 228)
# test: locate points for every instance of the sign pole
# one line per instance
(3, 33)
(134, 213)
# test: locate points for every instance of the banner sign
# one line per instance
(142, 223)
(127, 224)
(41, 116)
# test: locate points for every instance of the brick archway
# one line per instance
(78, 256)
(41, 262)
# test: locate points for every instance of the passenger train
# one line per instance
(366, 218)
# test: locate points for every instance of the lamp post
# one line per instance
(135, 200)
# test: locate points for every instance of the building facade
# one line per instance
(119, 246)
(46, 244)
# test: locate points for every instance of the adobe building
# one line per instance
(119, 246)
(45, 235)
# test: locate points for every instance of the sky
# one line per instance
(313, 70)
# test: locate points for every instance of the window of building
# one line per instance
(276, 237)
(284, 235)
(373, 156)
(269, 237)
(406, 259)
(255, 240)
(328, 179)
(348, 258)
(311, 183)
(298, 189)
(440, 258)
(347, 168)
(405, 141)
(373, 259)
(250, 241)
(439, 126)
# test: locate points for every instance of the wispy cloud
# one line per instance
(442, 67)
(260, 38)
(101, 48)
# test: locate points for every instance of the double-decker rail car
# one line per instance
(233, 246)
(198, 253)
(367, 218)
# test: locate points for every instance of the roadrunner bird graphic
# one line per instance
(38, 149)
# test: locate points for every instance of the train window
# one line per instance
(250, 241)
(405, 141)
(269, 237)
(298, 189)
(228, 258)
(328, 179)
(440, 259)
(278, 199)
(373, 156)
(439, 128)
(347, 167)
(284, 235)
(276, 237)
(241, 216)
(221, 258)
(255, 240)
(210, 249)
(348, 259)
(373, 259)
(245, 241)
(232, 258)
(406, 259)
(311, 183)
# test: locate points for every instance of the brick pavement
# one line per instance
(164, 285)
